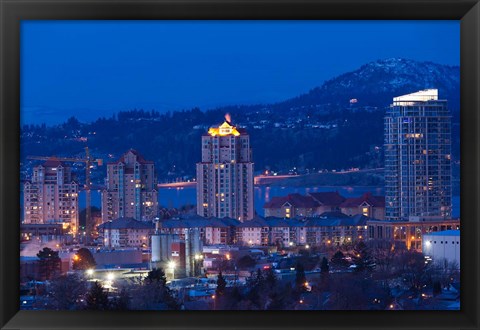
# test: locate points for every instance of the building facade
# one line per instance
(408, 234)
(225, 174)
(130, 189)
(443, 247)
(126, 232)
(418, 158)
(51, 196)
(367, 205)
(292, 205)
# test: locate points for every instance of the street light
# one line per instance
(172, 266)
(110, 277)
(89, 272)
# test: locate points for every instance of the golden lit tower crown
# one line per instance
(225, 174)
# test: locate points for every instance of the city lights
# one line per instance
(203, 221)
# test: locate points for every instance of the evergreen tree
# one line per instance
(300, 278)
(49, 263)
(324, 267)
(270, 279)
(157, 275)
(83, 260)
(338, 260)
(97, 298)
(221, 285)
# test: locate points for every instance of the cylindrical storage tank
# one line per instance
(156, 249)
(196, 242)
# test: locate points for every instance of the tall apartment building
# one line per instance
(130, 189)
(225, 175)
(418, 158)
(51, 196)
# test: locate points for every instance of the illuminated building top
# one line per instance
(420, 96)
(223, 130)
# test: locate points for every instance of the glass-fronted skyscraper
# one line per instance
(225, 175)
(418, 158)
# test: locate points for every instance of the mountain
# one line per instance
(314, 131)
(376, 83)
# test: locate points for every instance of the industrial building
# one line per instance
(443, 247)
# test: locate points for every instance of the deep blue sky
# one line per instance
(95, 68)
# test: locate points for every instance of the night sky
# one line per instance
(96, 68)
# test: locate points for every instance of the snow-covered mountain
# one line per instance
(376, 83)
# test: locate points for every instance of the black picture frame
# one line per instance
(13, 11)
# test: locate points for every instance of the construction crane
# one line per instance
(88, 160)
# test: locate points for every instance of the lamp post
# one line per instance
(172, 266)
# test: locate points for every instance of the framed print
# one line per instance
(239, 164)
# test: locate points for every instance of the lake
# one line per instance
(177, 197)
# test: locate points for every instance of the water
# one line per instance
(177, 197)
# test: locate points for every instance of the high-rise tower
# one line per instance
(418, 158)
(130, 191)
(51, 196)
(225, 175)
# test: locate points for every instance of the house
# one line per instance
(367, 204)
(327, 201)
(290, 206)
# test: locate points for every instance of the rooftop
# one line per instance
(368, 198)
(295, 200)
(328, 198)
(126, 223)
(420, 96)
(452, 232)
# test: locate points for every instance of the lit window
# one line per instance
(365, 211)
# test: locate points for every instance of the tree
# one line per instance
(437, 288)
(338, 260)
(246, 262)
(324, 267)
(221, 285)
(157, 275)
(362, 258)
(270, 278)
(49, 262)
(83, 260)
(65, 292)
(300, 278)
(121, 302)
(97, 298)
(152, 292)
